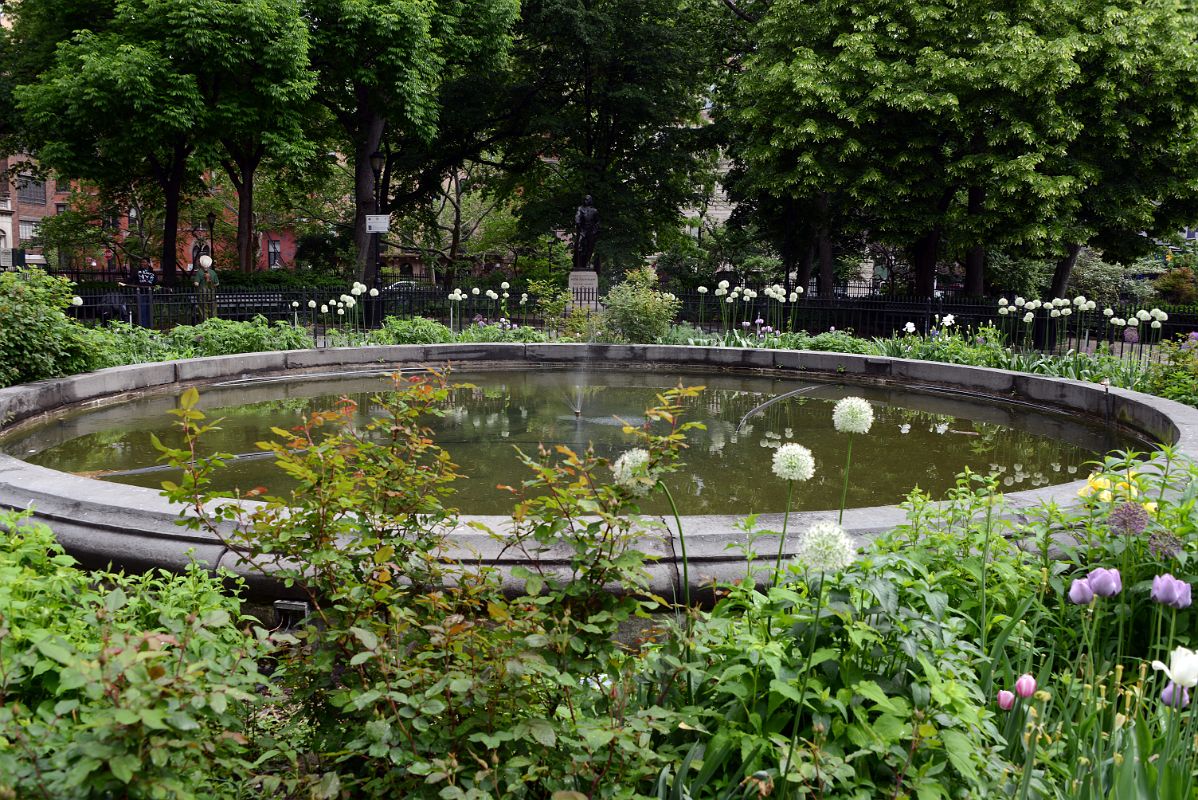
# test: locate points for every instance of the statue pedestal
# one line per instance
(584, 290)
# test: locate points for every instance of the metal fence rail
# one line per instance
(880, 316)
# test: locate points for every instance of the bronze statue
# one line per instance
(586, 231)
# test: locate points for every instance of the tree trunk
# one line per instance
(824, 243)
(975, 257)
(370, 137)
(923, 262)
(245, 224)
(171, 181)
(806, 265)
(1060, 276)
(790, 242)
(827, 276)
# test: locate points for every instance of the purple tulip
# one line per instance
(1025, 686)
(1170, 591)
(1080, 592)
(1105, 582)
(1174, 699)
(1007, 699)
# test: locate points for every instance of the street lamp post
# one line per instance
(374, 272)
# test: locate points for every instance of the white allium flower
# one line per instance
(350, 302)
(798, 290)
(76, 301)
(474, 291)
(1132, 322)
(1080, 300)
(295, 303)
(730, 299)
(1003, 311)
(324, 309)
(723, 285)
(1056, 312)
(1028, 317)
(853, 415)
(631, 472)
(1091, 305)
(1066, 312)
(1002, 301)
(909, 327)
(374, 292)
(1160, 316)
(491, 294)
(1118, 322)
(721, 292)
(505, 285)
(1019, 301)
(825, 547)
(702, 290)
(311, 304)
(1060, 302)
(794, 296)
(1156, 324)
(343, 298)
(341, 312)
(1143, 316)
(793, 462)
(1108, 312)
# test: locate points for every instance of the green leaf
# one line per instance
(55, 649)
(541, 730)
(123, 767)
(960, 751)
(368, 639)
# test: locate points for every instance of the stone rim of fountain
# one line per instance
(129, 527)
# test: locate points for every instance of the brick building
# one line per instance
(25, 200)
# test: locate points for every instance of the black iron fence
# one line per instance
(866, 316)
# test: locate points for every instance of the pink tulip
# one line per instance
(1006, 700)
(1025, 686)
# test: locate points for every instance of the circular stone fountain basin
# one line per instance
(103, 522)
(726, 467)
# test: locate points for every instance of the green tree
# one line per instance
(380, 65)
(929, 125)
(136, 98)
(1136, 151)
(613, 92)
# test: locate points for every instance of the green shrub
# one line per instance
(118, 686)
(1175, 376)
(634, 311)
(219, 337)
(416, 330)
(500, 333)
(119, 343)
(37, 339)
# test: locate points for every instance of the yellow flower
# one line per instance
(1094, 484)
(1150, 507)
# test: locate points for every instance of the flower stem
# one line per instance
(686, 579)
(844, 489)
(790, 491)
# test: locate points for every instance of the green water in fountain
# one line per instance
(919, 439)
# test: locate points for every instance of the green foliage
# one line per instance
(636, 311)
(500, 333)
(281, 279)
(136, 686)
(416, 330)
(219, 337)
(119, 343)
(1107, 284)
(1178, 286)
(1176, 375)
(37, 339)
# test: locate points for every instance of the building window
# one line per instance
(31, 190)
(274, 253)
(60, 208)
(27, 230)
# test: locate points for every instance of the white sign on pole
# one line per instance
(378, 223)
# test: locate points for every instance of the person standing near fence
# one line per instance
(205, 281)
(145, 294)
